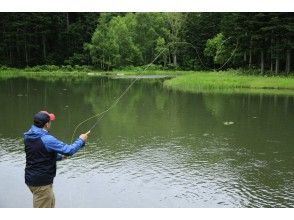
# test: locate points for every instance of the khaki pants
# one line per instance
(43, 196)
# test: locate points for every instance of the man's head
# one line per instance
(42, 119)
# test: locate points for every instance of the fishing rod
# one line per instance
(100, 115)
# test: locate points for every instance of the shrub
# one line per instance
(67, 68)
(171, 66)
(4, 67)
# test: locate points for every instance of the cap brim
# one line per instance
(52, 117)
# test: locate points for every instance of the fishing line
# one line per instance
(115, 102)
(100, 115)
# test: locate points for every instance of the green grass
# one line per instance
(43, 75)
(231, 82)
(10, 73)
(75, 74)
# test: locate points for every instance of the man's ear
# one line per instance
(47, 124)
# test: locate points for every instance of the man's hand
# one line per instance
(84, 137)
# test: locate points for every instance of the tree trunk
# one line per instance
(261, 62)
(250, 58)
(26, 52)
(288, 58)
(250, 54)
(175, 59)
(5, 52)
(10, 52)
(277, 55)
(44, 46)
(164, 61)
(277, 65)
(10, 56)
(245, 57)
(17, 49)
(288, 61)
(272, 41)
(67, 22)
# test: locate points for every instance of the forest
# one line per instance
(261, 42)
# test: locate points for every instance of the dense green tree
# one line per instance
(149, 27)
(175, 25)
(263, 39)
(29, 39)
(161, 50)
(215, 48)
(192, 41)
(128, 40)
(198, 28)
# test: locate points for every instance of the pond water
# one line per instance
(156, 148)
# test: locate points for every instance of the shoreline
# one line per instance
(225, 82)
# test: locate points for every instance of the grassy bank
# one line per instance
(231, 82)
(76, 74)
(42, 72)
(186, 81)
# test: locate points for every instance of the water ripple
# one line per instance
(193, 170)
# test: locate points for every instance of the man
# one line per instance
(42, 152)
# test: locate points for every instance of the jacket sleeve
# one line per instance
(52, 144)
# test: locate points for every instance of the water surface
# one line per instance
(156, 148)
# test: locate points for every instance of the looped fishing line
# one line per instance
(100, 115)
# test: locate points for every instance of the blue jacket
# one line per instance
(52, 144)
(42, 152)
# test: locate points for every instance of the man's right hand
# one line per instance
(84, 137)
